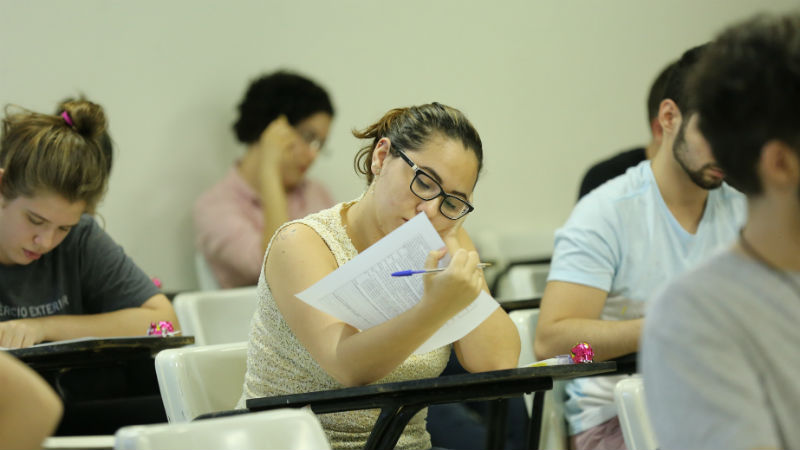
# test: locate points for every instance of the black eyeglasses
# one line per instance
(426, 188)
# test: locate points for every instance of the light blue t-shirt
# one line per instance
(623, 239)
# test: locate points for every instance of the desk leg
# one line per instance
(392, 433)
(496, 426)
(535, 424)
(383, 423)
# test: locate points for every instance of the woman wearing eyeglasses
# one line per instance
(284, 120)
(419, 159)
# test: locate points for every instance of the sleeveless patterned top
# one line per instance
(278, 364)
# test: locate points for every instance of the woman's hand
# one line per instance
(451, 238)
(456, 287)
(20, 333)
(275, 146)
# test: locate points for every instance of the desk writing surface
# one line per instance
(519, 380)
(97, 348)
(104, 383)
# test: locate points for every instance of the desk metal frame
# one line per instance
(398, 402)
(104, 383)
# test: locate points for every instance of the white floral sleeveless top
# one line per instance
(278, 364)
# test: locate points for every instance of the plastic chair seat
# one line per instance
(294, 429)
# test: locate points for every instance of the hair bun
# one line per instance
(88, 118)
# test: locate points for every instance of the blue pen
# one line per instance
(406, 273)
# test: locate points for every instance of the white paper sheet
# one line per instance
(363, 293)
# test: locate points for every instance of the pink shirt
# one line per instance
(229, 221)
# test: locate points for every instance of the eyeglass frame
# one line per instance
(442, 193)
(311, 139)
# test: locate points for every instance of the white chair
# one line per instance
(216, 317)
(97, 442)
(297, 429)
(205, 277)
(633, 418)
(523, 281)
(198, 380)
(509, 247)
(554, 427)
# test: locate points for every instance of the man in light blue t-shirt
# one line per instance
(621, 243)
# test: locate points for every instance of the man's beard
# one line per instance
(679, 149)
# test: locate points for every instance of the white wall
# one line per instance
(552, 86)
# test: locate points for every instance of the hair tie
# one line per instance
(67, 119)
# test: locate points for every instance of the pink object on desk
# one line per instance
(163, 328)
(582, 353)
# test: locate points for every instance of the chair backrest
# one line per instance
(295, 429)
(205, 277)
(216, 317)
(633, 418)
(525, 320)
(198, 380)
(554, 428)
(521, 280)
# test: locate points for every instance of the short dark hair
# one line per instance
(276, 94)
(675, 87)
(746, 89)
(657, 89)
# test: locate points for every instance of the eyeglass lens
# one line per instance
(427, 188)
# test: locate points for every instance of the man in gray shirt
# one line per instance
(718, 352)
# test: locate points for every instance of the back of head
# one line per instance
(657, 90)
(746, 89)
(69, 153)
(675, 84)
(411, 128)
(276, 94)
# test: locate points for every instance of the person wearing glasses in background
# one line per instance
(284, 120)
(421, 159)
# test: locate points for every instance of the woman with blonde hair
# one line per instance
(61, 275)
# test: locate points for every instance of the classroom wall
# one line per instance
(552, 86)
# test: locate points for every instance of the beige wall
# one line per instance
(552, 86)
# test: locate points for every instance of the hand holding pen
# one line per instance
(450, 290)
(405, 273)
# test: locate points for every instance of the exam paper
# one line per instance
(363, 293)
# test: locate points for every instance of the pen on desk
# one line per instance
(405, 273)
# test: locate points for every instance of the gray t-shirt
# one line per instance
(86, 274)
(720, 359)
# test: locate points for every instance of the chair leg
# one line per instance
(496, 428)
(535, 424)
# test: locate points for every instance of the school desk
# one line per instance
(105, 383)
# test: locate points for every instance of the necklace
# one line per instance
(780, 273)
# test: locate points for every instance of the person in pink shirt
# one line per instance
(284, 120)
